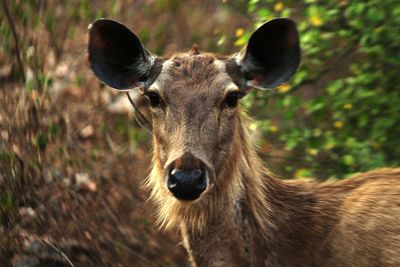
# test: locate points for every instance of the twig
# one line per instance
(68, 130)
(16, 40)
(142, 120)
(59, 251)
(111, 144)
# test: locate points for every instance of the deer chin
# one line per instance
(171, 212)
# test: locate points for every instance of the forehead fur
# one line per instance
(192, 68)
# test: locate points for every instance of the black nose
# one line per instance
(187, 184)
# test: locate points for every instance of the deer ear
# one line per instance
(117, 56)
(272, 53)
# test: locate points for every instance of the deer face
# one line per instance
(191, 99)
(193, 105)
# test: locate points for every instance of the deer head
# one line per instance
(192, 99)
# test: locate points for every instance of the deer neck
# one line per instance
(260, 215)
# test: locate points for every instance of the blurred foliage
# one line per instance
(340, 113)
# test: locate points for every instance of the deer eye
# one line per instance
(231, 99)
(154, 98)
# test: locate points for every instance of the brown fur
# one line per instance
(248, 217)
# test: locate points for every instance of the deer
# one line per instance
(207, 180)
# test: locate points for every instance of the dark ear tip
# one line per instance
(281, 23)
(103, 22)
(97, 22)
(283, 27)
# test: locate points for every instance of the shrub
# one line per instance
(340, 114)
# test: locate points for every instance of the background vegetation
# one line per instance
(340, 113)
(72, 158)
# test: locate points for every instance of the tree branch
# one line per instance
(15, 37)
